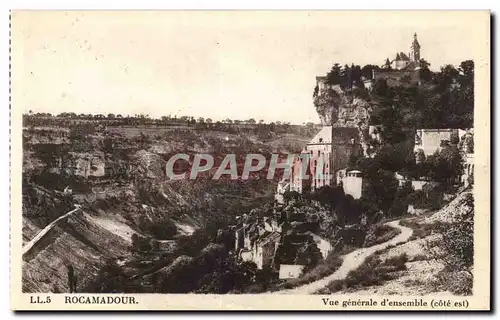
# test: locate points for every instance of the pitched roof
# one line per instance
(323, 136)
(415, 41)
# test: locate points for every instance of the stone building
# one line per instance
(431, 140)
(352, 184)
(410, 61)
(265, 249)
(257, 241)
(301, 172)
(324, 246)
(404, 67)
(328, 151)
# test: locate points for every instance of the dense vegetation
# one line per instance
(442, 99)
(458, 246)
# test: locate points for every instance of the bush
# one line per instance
(458, 246)
(380, 234)
(371, 272)
(422, 230)
(431, 198)
(458, 239)
(460, 283)
(397, 261)
(110, 279)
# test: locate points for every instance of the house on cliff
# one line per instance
(328, 152)
(403, 61)
(428, 141)
(257, 241)
(402, 68)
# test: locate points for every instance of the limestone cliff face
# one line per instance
(341, 108)
(327, 103)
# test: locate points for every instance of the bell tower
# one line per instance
(415, 50)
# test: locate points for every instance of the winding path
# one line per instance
(351, 261)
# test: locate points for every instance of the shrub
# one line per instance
(397, 261)
(423, 230)
(380, 234)
(371, 272)
(458, 239)
(458, 246)
(431, 198)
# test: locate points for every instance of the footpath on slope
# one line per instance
(351, 261)
(28, 247)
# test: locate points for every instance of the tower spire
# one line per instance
(415, 49)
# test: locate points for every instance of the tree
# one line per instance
(328, 195)
(356, 76)
(291, 195)
(425, 72)
(228, 276)
(367, 71)
(334, 76)
(308, 255)
(387, 65)
(446, 165)
(467, 68)
(381, 88)
(380, 189)
(110, 279)
(458, 246)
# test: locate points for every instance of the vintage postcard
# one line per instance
(250, 160)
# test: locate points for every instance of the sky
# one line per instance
(218, 65)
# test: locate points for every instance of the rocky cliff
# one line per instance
(344, 108)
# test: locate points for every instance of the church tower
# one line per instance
(415, 50)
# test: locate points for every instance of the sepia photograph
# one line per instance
(341, 157)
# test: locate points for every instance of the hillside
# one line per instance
(78, 242)
(116, 174)
(423, 265)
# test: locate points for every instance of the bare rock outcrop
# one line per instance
(343, 108)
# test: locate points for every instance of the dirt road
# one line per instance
(351, 262)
